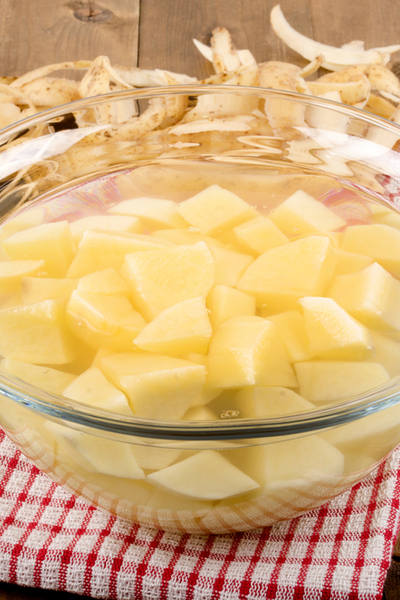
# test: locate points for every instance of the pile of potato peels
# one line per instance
(358, 78)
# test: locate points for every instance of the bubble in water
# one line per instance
(229, 414)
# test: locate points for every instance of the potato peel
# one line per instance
(51, 91)
(353, 93)
(356, 74)
(380, 78)
(225, 57)
(334, 58)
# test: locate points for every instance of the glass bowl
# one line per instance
(235, 437)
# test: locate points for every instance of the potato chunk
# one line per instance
(270, 402)
(104, 320)
(324, 382)
(229, 266)
(91, 387)
(380, 242)
(99, 250)
(215, 209)
(179, 329)
(161, 278)
(333, 333)
(107, 281)
(292, 329)
(206, 476)
(96, 454)
(371, 296)
(156, 213)
(51, 242)
(348, 262)
(13, 271)
(387, 353)
(225, 302)
(157, 386)
(259, 235)
(44, 378)
(248, 351)
(38, 289)
(309, 458)
(282, 275)
(105, 222)
(37, 334)
(302, 214)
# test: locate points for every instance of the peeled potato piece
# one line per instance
(206, 476)
(91, 387)
(215, 209)
(248, 351)
(104, 320)
(157, 386)
(282, 275)
(51, 242)
(96, 454)
(333, 333)
(181, 328)
(44, 378)
(161, 278)
(324, 382)
(13, 271)
(37, 334)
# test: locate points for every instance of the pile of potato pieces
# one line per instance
(175, 311)
(205, 295)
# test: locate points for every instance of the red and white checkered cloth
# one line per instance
(50, 539)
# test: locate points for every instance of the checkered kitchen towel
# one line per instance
(50, 539)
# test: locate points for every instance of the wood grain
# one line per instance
(39, 32)
(167, 30)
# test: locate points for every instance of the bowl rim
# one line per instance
(80, 415)
(193, 89)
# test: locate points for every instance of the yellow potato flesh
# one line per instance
(281, 276)
(109, 321)
(156, 385)
(173, 316)
(51, 242)
(302, 214)
(225, 302)
(12, 273)
(372, 296)
(181, 328)
(333, 333)
(38, 289)
(37, 334)
(259, 235)
(380, 242)
(248, 351)
(161, 278)
(215, 209)
(99, 250)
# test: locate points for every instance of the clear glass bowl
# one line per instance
(243, 471)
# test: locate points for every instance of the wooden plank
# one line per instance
(167, 30)
(340, 21)
(35, 33)
(170, 46)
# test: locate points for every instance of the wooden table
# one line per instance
(158, 34)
